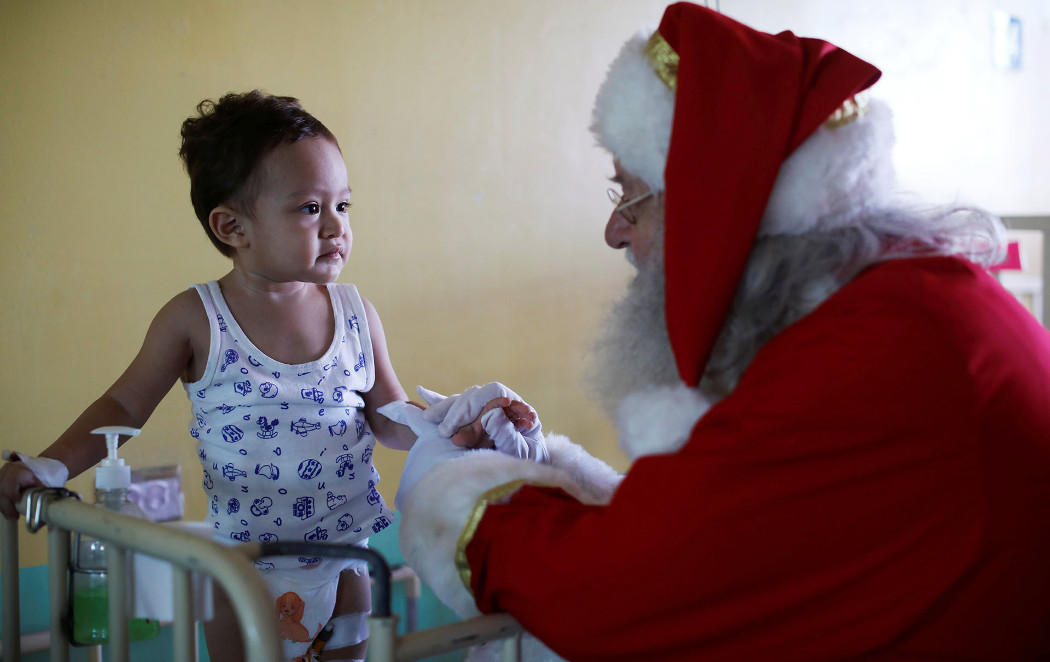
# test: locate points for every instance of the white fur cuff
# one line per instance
(436, 510)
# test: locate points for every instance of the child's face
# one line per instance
(300, 228)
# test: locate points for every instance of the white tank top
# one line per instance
(286, 449)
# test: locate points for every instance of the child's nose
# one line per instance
(333, 225)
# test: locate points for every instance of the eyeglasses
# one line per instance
(622, 205)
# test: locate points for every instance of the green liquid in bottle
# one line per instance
(91, 618)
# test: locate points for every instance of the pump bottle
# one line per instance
(90, 592)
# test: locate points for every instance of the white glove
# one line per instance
(453, 412)
(430, 447)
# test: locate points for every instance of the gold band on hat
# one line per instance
(663, 59)
(851, 109)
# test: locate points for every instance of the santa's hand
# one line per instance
(456, 415)
(456, 411)
(430, 448)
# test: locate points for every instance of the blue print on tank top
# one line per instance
(268, 470)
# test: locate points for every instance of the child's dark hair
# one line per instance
(222, 145)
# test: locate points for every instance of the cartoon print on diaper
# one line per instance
(215, 504)
(337, 430)
(267, 428)
(309, 469)
(315, 394)
(302, 427)
(337, 393)
(231, 472)
(264, 565)
(221, 321)
(261, 506)
(232, 506)
(345, 522)
(268, 390)
(366, 455)
(354, 324)
(242, 536)
(346, 466)
(231, 434)
(253, 362)
(207, 481)
(335, 500)
(317, 535)
(242, 388)
(268, 537)
(229, 358)
(303, 508)
(270, 471)
(360, 362)
(225, 408)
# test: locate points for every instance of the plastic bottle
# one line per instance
(90, 588)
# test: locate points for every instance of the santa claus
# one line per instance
(839, 421)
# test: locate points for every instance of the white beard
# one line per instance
(633, 350)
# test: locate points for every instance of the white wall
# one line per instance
(966, 130)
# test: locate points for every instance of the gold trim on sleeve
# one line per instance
(471, 526)
(663, 59)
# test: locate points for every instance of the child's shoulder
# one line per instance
(184, 312)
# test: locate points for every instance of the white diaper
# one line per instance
(303, 602)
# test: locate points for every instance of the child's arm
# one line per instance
(166, 354)
(386, 389)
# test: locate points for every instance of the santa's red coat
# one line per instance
(877, 487)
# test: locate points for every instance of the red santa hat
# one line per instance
(746, 133)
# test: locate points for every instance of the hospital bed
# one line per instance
(232, 568)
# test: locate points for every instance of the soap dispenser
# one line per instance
(88, 567)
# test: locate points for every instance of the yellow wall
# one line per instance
(479, 196)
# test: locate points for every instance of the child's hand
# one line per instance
(15, 478)
(474, 435)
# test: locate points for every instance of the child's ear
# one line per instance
(227, 225)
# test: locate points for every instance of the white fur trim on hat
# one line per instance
(633, 113)
(659, 419)
(833, 176)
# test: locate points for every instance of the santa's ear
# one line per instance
(228, 226)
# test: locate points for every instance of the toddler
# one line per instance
(284, 370)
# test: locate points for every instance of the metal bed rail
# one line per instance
(234, 572)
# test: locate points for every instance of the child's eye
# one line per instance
(311, 208)
(343, 207)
